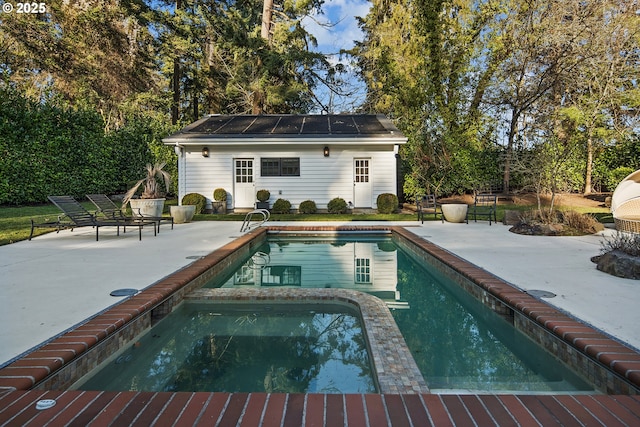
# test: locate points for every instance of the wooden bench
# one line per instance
(484, 206)
(427, 205)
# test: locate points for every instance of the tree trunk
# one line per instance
(196, 107)
(265, 32)
(175, 106)
(513, 128)
(588, 167)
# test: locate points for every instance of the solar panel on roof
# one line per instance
(211, 125)
(342, 125)
(236, 125)
(315, 125)
(262, 124)
(335, 124)
(289, 125)
(369, 124)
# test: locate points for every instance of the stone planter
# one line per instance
(219, 207)
(147, 207)
(182, 214)
(454, 212)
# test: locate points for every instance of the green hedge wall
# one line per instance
(47, 149)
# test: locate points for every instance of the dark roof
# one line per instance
(288, 126)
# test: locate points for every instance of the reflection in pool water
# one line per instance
(457, 342)
(246, 348)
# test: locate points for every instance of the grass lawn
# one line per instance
(15, 222)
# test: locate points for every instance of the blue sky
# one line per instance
(341, 35)
(342, 13)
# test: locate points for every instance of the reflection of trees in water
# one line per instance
(250, 358)
(450, 343)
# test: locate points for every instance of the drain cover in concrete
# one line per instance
(123, 292)
(540, 294)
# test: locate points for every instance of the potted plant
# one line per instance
(263, 199)
(191, 204)
(151, 201)
(219, 204)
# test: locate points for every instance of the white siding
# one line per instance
(321, 178)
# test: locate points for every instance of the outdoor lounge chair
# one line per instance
(110, 210)
(625, 204)
(75, 215)
(484, 206)
(428, 205)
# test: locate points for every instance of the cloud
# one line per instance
(343, 29)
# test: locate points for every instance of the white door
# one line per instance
(361, 183)
(363, 263)
(244, 187)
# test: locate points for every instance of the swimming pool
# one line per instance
(457, 343)
(240, 347)
(61, 361)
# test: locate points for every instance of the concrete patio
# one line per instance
(58, 280)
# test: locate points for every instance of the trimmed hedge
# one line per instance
(263, 195)
(195, 199)
(387, 203)
(308, 207)
(281, 206)
(48, 149)
(337, 206)
(220, 195)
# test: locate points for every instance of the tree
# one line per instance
(230, 63)
(428, 64)
(92, 53)
(603, 93)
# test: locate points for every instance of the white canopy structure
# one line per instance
(625, 203)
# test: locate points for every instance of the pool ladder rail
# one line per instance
(260, 260)
(247, 225)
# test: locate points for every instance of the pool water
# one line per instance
(235, 347)
(458, 344)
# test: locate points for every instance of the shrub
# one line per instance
(337, 206)
(281, 206)
(616, 176)
(582, 222)
(387, 203)
(263, 195)
(195, 199)
(624, 242)
(220, 195)
(544, 216)
(308, 207)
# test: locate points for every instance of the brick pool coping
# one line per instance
(36, 366)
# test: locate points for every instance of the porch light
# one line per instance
(205, 151)
(178, 150)
(325, 151)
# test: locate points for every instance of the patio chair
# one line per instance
(110, 210)
(427, 204)
(484, 206)
(75, 216)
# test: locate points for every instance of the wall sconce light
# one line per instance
(205, 151)
(178, 150)
(396, 148)
(325, 151)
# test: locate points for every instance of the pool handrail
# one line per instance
(246, 224)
